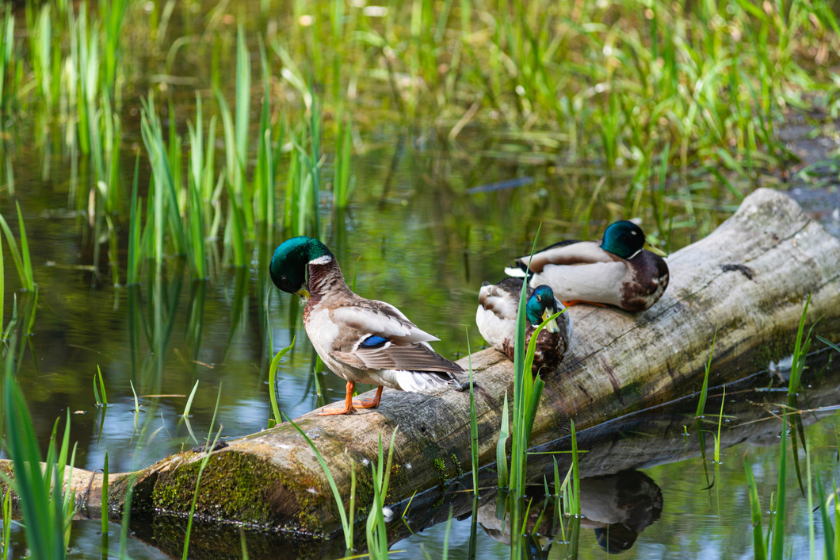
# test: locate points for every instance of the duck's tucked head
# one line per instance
(288, 265)
(541, 305)
(623, 239)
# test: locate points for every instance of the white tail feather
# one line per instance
(516, 272)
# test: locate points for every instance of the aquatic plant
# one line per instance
(46, 509)
(473, 424)
(800, 352)
(103, 400)
(21, 258)
(346, 525)
(272, 382)
(190, 401)
(376, 530)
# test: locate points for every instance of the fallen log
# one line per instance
(747, 281)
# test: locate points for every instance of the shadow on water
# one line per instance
(619, 502)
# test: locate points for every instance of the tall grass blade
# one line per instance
(701, 404)
(755, 512)
(104, 504)
(272, 380)
(473, 424)
(201, 468)
(348, 529)
(501, 447)
(800, 352)
(190, 401)
(777, 552)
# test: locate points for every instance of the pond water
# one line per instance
(430, 220)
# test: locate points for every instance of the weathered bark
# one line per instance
(748, 281)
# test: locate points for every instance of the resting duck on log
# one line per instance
(496, 320)
(615, 271)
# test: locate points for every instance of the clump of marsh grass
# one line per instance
(47, 510)
(21, 258)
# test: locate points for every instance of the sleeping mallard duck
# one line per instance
(615, 271)
(360, 340)
(496, 320)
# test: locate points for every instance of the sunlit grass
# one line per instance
(346, 521)
(46, 509)
(20, 257)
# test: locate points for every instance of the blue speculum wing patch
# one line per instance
(373, 341)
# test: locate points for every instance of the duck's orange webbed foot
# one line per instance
(369, 403)
(335, 411)
(348, 403)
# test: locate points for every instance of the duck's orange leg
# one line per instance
(580, 301)
(370, 403)
(348, 403)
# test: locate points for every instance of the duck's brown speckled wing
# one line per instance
(406, 346)
(414, 357)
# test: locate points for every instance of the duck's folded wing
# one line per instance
(377, 318)
(567, 253)
(501, 299)
(413, 357)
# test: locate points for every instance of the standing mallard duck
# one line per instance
(496, 320)
(617, 271)
(360, 340)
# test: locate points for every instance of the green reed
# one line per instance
(208, 450)
(135, 248)
(474, 448)
(346, 525)
(376, 530)
(774, 541)
(755, 512)
(7, 45)
(777, 550)
(188, 406)
(103, 399)
(208, 453)
(21, 258)
(272, 382)
(104, 505)
(166, 206)
(46, 509)
(800, 352)
(5, 540)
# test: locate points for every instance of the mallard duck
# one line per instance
(496, 320)
(360, 340)
(615, 271)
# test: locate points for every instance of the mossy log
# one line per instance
(747, 282)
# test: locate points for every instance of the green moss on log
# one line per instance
(242, 487)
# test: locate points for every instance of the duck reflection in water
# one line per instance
(618, 507)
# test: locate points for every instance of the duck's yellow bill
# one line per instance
(303, 293)
(552, 325)
(655, 250)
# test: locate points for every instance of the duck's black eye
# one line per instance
(539, 299)
(283, 278)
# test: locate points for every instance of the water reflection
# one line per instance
(617, 507)
(621, 503)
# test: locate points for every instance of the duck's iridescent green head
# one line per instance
(288, 265)
(623, 239)
(541, 305)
